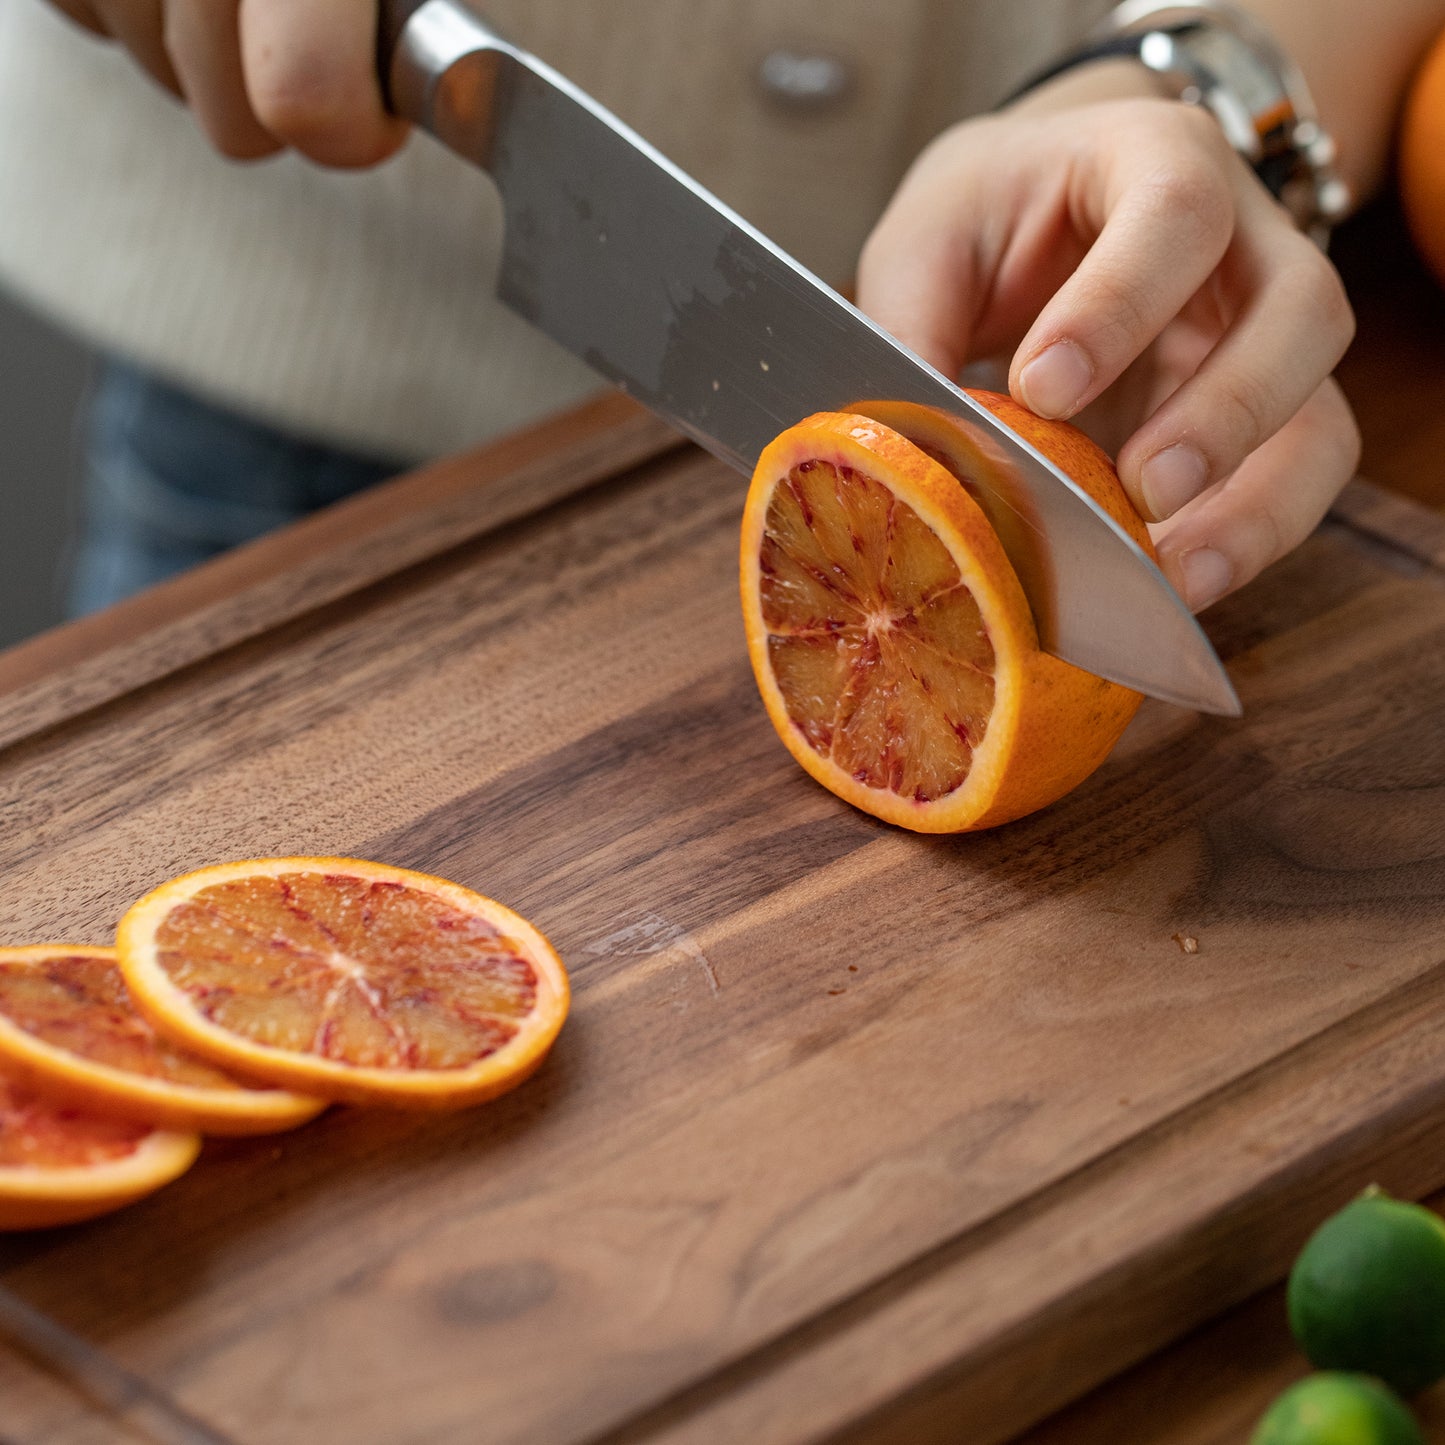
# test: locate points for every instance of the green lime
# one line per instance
(1368, 1293)
(1337, 1409)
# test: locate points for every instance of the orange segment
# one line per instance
(59, 1165)
(68, 1029)
(351, 980)
(857, 595)
(889, 635)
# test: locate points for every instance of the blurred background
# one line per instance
(43, 376)
(1394, 376)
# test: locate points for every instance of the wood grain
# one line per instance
(240, 594)
(854, 1135)
(1394, 520)
(66, 1389)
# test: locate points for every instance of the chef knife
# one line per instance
(634, 267)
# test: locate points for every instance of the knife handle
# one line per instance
(418, 42)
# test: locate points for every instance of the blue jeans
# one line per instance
(171, 480)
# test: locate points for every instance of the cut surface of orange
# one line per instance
(59, 1165)
(349, 980)
(891, 640)
(68, 1029)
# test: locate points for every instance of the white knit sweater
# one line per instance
(356, 308)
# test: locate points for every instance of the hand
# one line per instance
(262, 75)
(1147, 286)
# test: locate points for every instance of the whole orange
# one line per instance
(1422, 159)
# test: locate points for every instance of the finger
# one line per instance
(310, 68)
(139, 25)
(1165, 206)
(83, 14)
(918, 273)
(1293, 327)
(204, 43)
(1267, 507)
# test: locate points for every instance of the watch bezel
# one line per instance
(1216, 55)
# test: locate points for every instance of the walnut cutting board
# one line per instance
(853, 1136)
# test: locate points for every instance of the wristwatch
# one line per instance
(1216, 55)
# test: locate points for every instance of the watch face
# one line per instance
(1239, 70)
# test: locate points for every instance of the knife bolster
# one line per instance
(440, 64)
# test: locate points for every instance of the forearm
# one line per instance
(1357, 59)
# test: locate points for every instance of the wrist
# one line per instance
(1109, 78)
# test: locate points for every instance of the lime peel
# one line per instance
(1337, 1408)
(1367, 1292)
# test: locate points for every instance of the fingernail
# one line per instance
(1170, 478)
(1054, 382)
(1207, 575)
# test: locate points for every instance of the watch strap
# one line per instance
(1217, 56)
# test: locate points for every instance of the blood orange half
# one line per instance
(68, 1030)
(349, 980)
(58, 1165)
(891, 641)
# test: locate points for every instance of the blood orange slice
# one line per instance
(891, 641)
(58, 1165)
(350, 980)
(68, 1030)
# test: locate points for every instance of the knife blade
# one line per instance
(635, 268)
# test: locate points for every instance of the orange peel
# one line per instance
(350, 980)
(889, 635)
(69, 1030)
(59, 1165)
